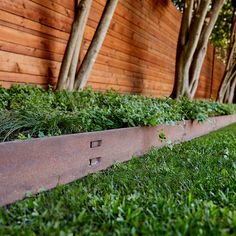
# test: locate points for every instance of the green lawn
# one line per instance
(189, 189)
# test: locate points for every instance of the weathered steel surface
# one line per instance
(45, 163)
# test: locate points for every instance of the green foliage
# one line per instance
(162, 136)
(29, 112)
(222, 30)
(201, 109)
(221, 33)
(179, 4)
(187, 190)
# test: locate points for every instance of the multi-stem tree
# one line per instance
(198, 20)
(228, 85)
(71, 78)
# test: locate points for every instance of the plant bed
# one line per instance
(30, 112)
(31, 165)
(188, 189)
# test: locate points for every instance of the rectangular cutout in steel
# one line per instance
(94, 161)
(96, 143)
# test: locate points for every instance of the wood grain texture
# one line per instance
(138, 55)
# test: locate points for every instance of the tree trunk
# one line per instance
(201, 50)
(196, 26)
(191, 27)
(232, 91)
(179, 86)
(228, 81)
(76, 55)
(96, 44)
(68, 79)
(74, 45)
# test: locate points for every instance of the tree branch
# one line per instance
(201, 49)
(75, 59)
(96, 44)
(195, 29)
(186, 19)
(75, 38)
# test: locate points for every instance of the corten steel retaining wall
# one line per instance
(138, 55)
(45, 163)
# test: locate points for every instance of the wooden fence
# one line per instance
(138, 55)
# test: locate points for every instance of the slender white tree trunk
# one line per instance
(68, 78)
(232, 91)
(74, 45)
(190, 33)
(201, 50)
(96, 44)
(228, 81)
(196, 26)
(77, 51)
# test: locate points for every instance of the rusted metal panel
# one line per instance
(45, 163)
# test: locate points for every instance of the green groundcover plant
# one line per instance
(28, 112)
(188, 189)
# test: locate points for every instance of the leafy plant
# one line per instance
(162, 137)
(32, 111)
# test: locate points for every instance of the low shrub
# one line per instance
(28, 112)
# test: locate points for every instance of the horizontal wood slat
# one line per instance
(138, 54)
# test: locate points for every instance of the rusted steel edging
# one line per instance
(28, 166)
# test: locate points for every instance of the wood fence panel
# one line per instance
(138, 55)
